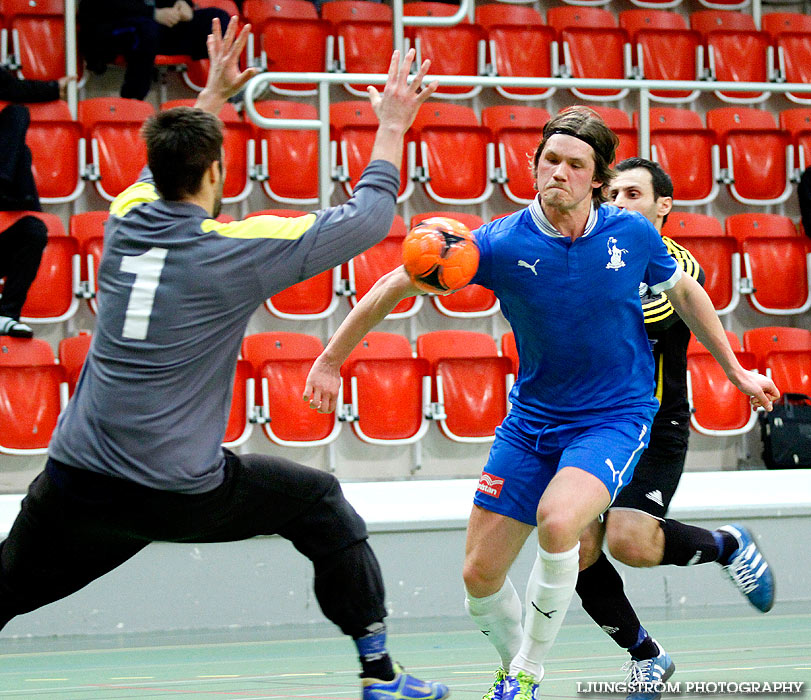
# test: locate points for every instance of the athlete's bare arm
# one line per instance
(324, 379)
(694, 307)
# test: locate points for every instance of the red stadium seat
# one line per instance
(519, 45)
(310, 299)
(736, 52)
(717, 407)
(34, 38)
(510, 349)
(779, 269)
(289, 170)
(664, 49)
(72, 353)
(453, 50)
(354, 127)
(473, 300)
(363, 33)
(791, 35)
(88, 229)
(281, 362)
(369, 266)
(743, 226)
(51, 297)
(57, 152)
(517, 131)
(797, 122)
(777, 262)
(688, 152)
(33, 391)
(593, 46)
(471, 383)
(617, 119)
(239, 426)
(656, 4)
(240, 152)
(112, 127)
(767, 339)
(442, 132)
(387, 391)
(758, 157)
(291, 37)
(717, 254)
(790, 370)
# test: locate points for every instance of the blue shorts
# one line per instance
(527, 454)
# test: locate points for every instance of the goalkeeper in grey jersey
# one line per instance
(136, 455)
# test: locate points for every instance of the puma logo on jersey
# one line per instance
(655, 496)
(524, 263)
(615, 255)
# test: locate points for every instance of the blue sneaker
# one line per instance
(748, 569)
(520, 687)
(495, 692)
(647, 675)
(403, 687)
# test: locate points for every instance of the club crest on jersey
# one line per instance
(615, 255)
(490, 484)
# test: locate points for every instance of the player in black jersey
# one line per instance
(635, 527)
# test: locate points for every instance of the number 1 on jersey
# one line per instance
(147, 270)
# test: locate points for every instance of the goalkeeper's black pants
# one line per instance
(74, 526)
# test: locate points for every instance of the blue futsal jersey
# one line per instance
(575, 310)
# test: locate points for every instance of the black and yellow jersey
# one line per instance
(669, 336)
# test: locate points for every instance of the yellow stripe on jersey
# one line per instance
(682, 256)
(139, 193)
(265, 226)
(660, 378)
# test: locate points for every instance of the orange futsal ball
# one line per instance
(440, 255)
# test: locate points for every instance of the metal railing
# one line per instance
(324, 80)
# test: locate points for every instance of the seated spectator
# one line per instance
(139, 30)
(22, 243)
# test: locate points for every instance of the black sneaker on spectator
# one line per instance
(13, 327)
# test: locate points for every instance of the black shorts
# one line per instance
(658, 471)
(75, 525)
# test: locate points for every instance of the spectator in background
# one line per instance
(140, 30)
(804, 196)
(21, 243)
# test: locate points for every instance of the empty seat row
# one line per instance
(717, 408)
(458, 379)
(69, 268)
(762, 256)
(515, 41)
(741, 147)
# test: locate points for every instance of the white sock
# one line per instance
(549, 592)
(499, 617)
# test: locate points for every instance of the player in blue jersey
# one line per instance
(635, 527)
(136, 456)
(567, 272)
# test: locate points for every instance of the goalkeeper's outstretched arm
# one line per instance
(324, 379)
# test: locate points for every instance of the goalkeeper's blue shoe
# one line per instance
(403, 687)
(647, 675)
(749, 570)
